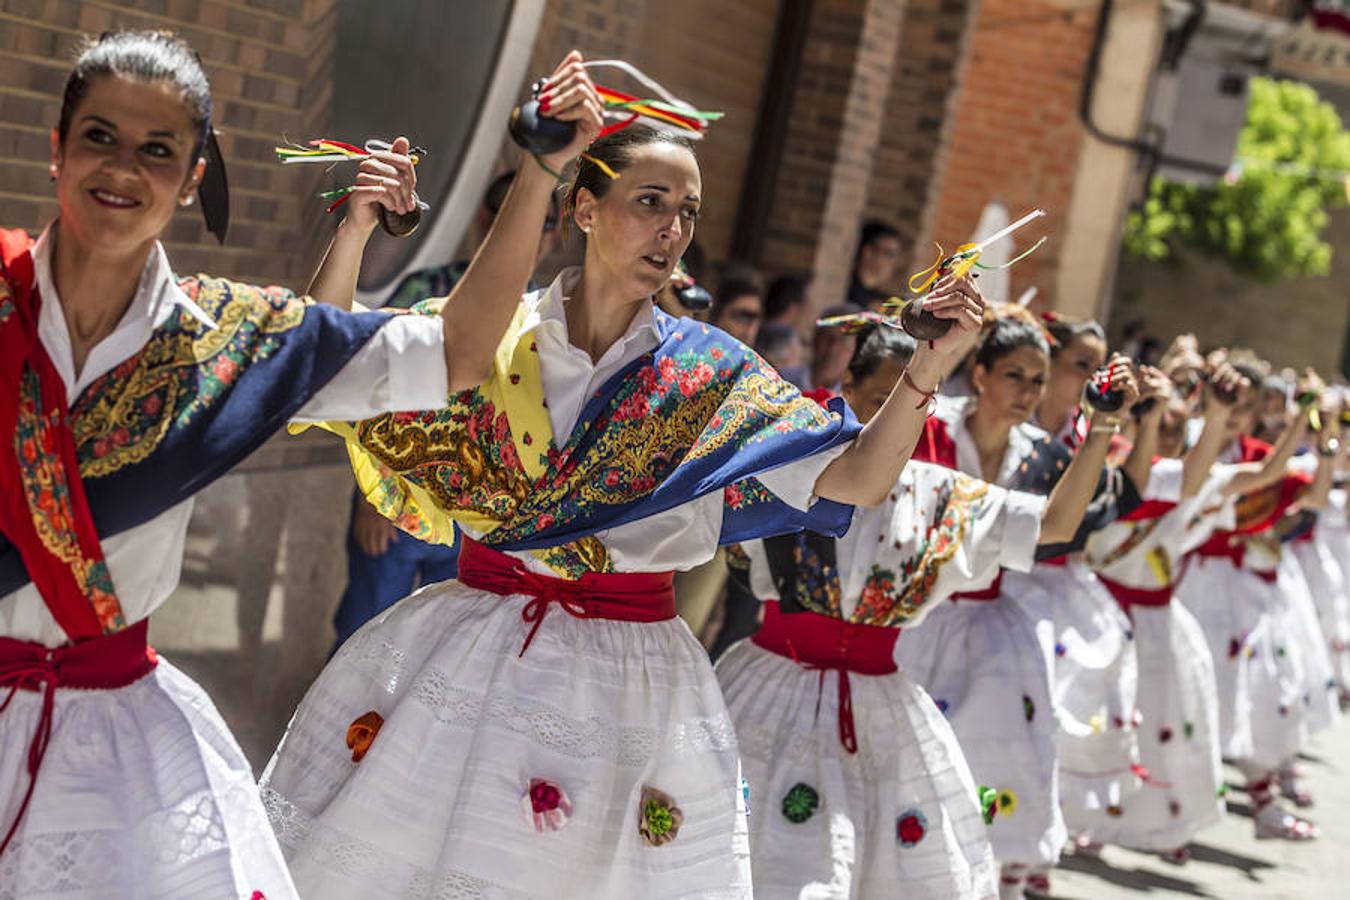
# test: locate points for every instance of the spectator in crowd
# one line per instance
(738, 302)
(785, 302)
(831, 350)
(876, 266)
(781, 346)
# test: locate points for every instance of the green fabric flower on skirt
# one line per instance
(659, 819)
(800, 803)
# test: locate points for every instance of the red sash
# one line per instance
(43, 509)
(1128, 596)
(827, 644)
(111, 661)
(987, 595)
(622, 596)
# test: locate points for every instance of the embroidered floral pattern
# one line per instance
(184, 369)
(910, 827)
(46, 485)
(800, 803)
(1028, 708)
(671, 409)
(744, 494)
(659, 819)
(1007, 802)
(547, 806)
(890, 597)
(361, 733)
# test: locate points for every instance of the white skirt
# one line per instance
(1258, 679)
(143, 793)
(1331, 591)
(983, 666)
(908, 768)
(1094, 671)
(604, 710)
(1179, 735)
(1301, 577)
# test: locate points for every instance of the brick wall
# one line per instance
(837, 118)
(711, 53)
(1015, 132)
(269, 62)
(934, 44)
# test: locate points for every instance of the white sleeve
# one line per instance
(1021, 530)
(795, 482)
(1165, 481)
(400, 369)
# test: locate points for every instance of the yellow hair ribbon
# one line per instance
(601, 165)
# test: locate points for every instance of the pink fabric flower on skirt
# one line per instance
(547, 807)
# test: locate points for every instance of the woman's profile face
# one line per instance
(125, 165)
(1073, 365)
(639, 230)
(866, 396)
(1012, 387)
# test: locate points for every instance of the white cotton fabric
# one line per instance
(983, 662)
(1090, 644)
(908, 759)
(1321, 702)
(600, 707)
(1333, 597)
(143, 791)
(1178, 732)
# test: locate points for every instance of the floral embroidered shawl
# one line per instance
(700, 413)
(149, 434)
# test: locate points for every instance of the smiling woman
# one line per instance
(125, 390)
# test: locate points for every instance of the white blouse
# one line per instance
(1002, 533)
(401, 368)
(953, 412)
(679, 538)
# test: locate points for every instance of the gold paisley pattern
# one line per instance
(184, 368)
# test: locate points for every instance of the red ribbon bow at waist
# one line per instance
(827, 644)
(621, 596)
(102, 663)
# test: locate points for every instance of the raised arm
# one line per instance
(387, 179)
(1225, 390)
(865, 472)
(1254, 476)
(1078, 485)
(485, 298)
(1155, 386)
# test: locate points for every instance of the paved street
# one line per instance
(1227, 861)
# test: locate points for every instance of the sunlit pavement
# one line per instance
(1227, 861)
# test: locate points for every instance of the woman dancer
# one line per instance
(124, 391)
(1230, 586)
(1078, 350)
(1139, 559)
(545, 726)
(861, 787)
(981, 660)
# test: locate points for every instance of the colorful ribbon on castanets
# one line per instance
(327, 150)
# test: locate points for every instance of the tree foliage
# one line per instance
(1293, 156)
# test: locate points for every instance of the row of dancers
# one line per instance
(544, 725)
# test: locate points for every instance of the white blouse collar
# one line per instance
(549, 309)
(157, 297)
(955, 411)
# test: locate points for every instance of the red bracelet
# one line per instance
(927, 395)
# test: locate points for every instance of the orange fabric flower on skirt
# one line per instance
(361, 733)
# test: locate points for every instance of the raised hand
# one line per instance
(960, 301)
(386, 179)
(569, 95)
